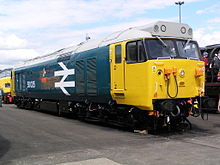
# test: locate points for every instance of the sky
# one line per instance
(31, 28)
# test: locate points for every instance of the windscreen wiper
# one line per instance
(164, 44)
(186, 44)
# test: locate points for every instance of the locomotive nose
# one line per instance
(178, 78)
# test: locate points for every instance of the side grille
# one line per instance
(91, 77)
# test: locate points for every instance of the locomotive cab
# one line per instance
(160, 74)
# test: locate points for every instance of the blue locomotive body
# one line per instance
(76, 77)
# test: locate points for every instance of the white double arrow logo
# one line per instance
(65, 73)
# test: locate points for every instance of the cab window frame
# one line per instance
(118, 54)
(141, 55)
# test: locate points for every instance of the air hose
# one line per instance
(177, 89)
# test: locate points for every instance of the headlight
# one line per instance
(182, 73)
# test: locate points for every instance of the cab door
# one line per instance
(117, 68)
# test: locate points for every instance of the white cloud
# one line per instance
(205, 38)
(11, 41)
(40, 14)
(18, 54)
(210, 32)
(214, 20)
(11, 57)
(14, 49)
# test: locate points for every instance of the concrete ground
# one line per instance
(35, 138)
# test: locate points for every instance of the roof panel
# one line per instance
(160, 28)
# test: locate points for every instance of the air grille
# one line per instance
(80, 76)
(91, 77)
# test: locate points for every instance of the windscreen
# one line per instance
(5, 74)
(172, 48)
(187, 49)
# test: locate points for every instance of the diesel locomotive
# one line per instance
(6, 85)
(142, 77)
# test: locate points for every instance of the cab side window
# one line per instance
(7, 85)
(118, 54)
(135, 52)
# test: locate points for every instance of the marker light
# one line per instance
(156, 28)
(183, 30)
(163, 28)
(190, 31)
